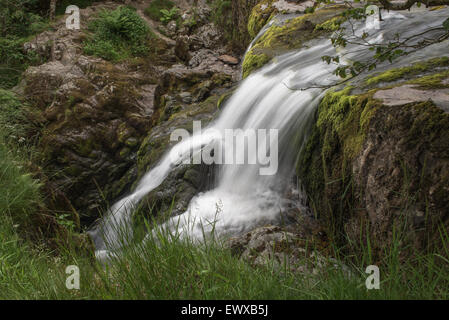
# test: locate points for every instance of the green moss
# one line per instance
(434, 81)
(124, 152)
(348, 117)
(409, 71)
(253, 62)
(331, 24)
(324, 165)
(291, 35)
(223, 98)
(85, 147)
(260, 15)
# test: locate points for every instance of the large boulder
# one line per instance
(377, 160)
(282, 249)
(95, 114)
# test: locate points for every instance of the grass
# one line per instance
(170, 268)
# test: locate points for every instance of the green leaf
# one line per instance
(446, 24)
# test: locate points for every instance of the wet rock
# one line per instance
(171, 28)
(285, 35)
(186, 97)
(183, 183)
(207, 36)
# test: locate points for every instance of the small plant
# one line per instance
(64, 220)
(169, 15)
(154, 9)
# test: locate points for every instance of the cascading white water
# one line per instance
(283, 96)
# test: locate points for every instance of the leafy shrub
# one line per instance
(169, 15)
(155, 8)
(18, 18)
(118, 34)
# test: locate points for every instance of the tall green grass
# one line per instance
(167, 267)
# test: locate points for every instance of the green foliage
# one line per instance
(19, 192)
(408, 71)
(118, 34)
(169, 15)
(154, 10)
(19, 19)
(170, 268)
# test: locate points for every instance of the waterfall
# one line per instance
(281, 96)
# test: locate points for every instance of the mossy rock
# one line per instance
(260, 15)
(368, 167)
(416, 70)
(290, 35)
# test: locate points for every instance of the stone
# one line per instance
(411, 93)
(228, 59)
(275, 247)
(292, 6)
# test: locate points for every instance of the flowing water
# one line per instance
(282, 96)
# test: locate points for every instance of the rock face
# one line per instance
(378, 162)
